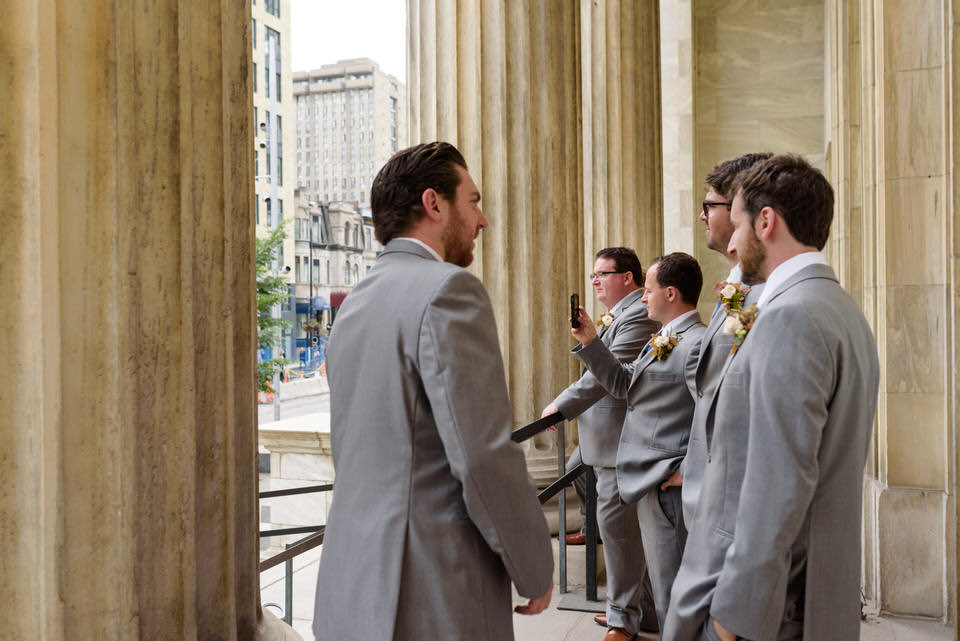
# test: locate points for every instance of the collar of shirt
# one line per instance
(430, 249)
(666, 330)
(785, 270)
(735, 275)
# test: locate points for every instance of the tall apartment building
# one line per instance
(351, 117)
(273, 122)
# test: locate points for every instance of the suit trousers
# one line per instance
(789, 631)
(622, 554)
(579, 486)
(660, 513)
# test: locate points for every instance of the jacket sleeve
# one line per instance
(462, 372)
(632, 333)
(792, 376)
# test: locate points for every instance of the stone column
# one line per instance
(892, 103)
(128, 485)
(507, 82)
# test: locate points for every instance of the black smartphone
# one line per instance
(574, 311)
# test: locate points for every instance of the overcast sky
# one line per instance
(325, 31)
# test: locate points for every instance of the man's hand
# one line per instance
(674, 480)
(722, 632)
(547, 411)
(587, 330)
(536, 606)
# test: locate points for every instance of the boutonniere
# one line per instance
(662, 346)
(739, 323)
(731, 295)
(605, 321)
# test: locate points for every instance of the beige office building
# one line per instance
(351, 117)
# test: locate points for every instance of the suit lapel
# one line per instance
(650, 358)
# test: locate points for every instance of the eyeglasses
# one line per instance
(707, 204)
(601, 275)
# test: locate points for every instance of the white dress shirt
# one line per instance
(785, 270)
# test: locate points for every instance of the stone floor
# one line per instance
(554, 624)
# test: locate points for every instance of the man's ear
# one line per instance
(765, 222)
(431, 203)
(672, 293)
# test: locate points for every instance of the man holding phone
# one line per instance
(624, 329)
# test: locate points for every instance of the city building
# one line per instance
(335, 248)
(351, 117)
(273, 131)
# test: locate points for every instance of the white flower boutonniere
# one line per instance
(739, 323)
(662, 346)
(731, 295)
(605, 321)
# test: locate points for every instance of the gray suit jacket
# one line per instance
(599, 415)
(776, 533)
(433, 512)
(714, 350)
(659, 407)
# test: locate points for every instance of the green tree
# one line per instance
(271, 290)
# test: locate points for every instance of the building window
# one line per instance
(254, 77)
(272, 7)
(254, 24)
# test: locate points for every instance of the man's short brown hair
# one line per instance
(395, 196)
(721, 177)
(796, 190)
(682, 271)
(624, 260)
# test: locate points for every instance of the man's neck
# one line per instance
(426, 239)
(614, 304)
(677, 313)
(778, 256)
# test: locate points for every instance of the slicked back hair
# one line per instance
(796, 190)
(682, 271)
(721, 177)
(396, 193)
(624, 260)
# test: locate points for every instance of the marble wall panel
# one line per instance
(913, 123)
(775, 26)
(912, 550)
(781, 65)
(914, 224)
(719, 7)
(915, 332)
(916, 441)
(803, 135)
(913, 37)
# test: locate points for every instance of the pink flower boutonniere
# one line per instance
(662, 346)
(731, 295)
(739, 323)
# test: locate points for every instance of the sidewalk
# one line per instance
(554, 624)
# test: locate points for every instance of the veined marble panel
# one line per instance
(913, 34)
(756, 65)
(913, 123)
(915, 231)
(781, 25)
(916, 440)
(915, 336)
(802, 135)
(911, 527)
(727, 7)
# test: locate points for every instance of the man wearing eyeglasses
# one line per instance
(624, 329)
(716, 345)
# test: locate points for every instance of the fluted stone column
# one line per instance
(505, 81)
(128, 482)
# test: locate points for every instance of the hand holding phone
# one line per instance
(575, 311)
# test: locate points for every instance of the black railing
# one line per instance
(564, 479)
(294, 549)
(526, 432)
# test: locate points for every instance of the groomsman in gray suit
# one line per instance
(716, 344)
(658, 387)
(774, 548)
(617, 275)
(433, 512)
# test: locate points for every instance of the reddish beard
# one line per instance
(457, 241)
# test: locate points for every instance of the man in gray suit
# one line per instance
(433, 513)
(658, 387)
(774, 548)
(616, 279)
(716, 344)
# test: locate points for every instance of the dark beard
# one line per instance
(752, 259)
(456, 250)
